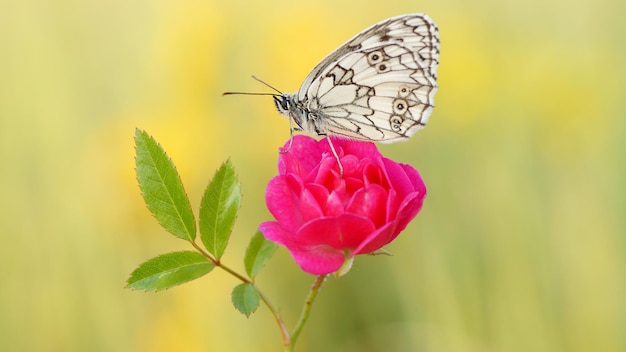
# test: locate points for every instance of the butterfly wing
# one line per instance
(378, 86)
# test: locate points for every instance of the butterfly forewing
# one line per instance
(378, 86)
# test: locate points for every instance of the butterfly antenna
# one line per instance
(248, 93)
(265, 83)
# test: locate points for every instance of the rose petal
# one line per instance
(409, 208)
(359, 149)
(326, 174)
(415, 177)
(289, 164)
(346, 231)
(305, 150)
(273, 231)
(320, 193)
(397, 177)
(377, 239)
(372, 174)
(334, 204)
(317, 259)
(353, 184)
(321, 216)
(392, 205)
(370, 202)
(350, 164)
(309, 206)
(282, 201)
(320, 260)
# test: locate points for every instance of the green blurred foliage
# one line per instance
(520, 245)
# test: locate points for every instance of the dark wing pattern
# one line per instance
(380, 85)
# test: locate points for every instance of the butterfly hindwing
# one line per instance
(378, 86)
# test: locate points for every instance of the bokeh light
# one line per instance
(520, 245)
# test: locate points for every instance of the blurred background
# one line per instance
(521, 244)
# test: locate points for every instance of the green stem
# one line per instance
(281, 325)
(306, 310)
(220, 265)
(284, 333)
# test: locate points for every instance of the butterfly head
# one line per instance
(283, 104)
(287, 106)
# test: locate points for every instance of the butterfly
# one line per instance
(379, 86)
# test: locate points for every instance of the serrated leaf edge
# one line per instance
(190, 235)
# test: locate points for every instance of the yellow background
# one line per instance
(521, 244)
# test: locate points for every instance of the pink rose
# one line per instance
(324, 219)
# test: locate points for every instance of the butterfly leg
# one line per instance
(285, 150)
(291, 129)
(332, 148)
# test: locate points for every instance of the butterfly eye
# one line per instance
(404, 91)
(375, 57)
(396, 122)
(382, 68)
(282, 104)
(400, 106)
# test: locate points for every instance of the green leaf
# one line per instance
(245, 298)
(258, 253)
(169, 270)
(218, 209)
(162, 189)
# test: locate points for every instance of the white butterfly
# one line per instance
(379, 86)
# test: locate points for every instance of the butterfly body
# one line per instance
(306, 116)
(379, 86)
